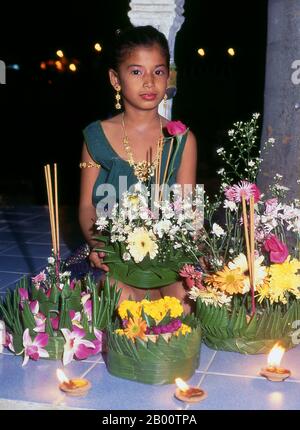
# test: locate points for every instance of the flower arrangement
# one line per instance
(152, 231)
(248, 290)
(55, 317)
(153, 342)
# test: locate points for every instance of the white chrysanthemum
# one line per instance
(101, 223)
(230, 205)
(217, 230)
(260, 272)
(140, 243)
(51, 260)
(162, 227)
(210, 296)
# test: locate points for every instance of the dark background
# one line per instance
(43, 112)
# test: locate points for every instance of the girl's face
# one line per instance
(142, 76)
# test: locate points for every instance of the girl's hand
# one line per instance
(96, 260)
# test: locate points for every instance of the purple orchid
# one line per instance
(75, 345)
(34, 349)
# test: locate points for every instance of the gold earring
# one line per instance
(118, 98)
(165, 100)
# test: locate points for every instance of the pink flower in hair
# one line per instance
(176, 127)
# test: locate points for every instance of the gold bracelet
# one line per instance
(84, 165)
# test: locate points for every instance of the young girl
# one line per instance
(139, 74)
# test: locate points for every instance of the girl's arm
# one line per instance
(187, 171)
(87, 211)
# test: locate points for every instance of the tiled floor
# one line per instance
(230, 379)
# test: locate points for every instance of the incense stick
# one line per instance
(56, 209)
(252, 246)
(49, 194)
(245, 222)
(168, 161)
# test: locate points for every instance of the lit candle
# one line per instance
(188, 394)
(274, 372)
(73, 387)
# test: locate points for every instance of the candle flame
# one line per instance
(61, 376)
(181, 384)
(275, 355)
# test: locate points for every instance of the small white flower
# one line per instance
(51, 260)
(220, 151)
(126, 256)
(256, 115)
(271, 140)
(251, 163)
(230, 132)
(221, 171)
(231, 251)
(217, 230)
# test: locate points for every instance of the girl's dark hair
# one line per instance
(133, 37)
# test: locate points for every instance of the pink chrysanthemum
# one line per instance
(191, 276)
(245, 188)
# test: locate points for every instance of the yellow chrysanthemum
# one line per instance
(140, 243)
(284, 278)
(119, 331)
(173, 305)
(184, 329)
(136, 327)
(154, 309)
(263, 291)
(129, 305)
(230, 281)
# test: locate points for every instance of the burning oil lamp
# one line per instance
(274, 372)
(73, 387)
(188, 394)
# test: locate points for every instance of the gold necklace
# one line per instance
(143, 169)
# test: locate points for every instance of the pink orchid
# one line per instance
(34, 349)
(41, 277)
(9, 342)
(87, 305)
(39, 317)
(72, 284)
(23, 294)
(278, 250)
(98, 342)
(75, 318)
(76, 345)
(176, 127)
(243, 188)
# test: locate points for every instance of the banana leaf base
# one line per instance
(244, 345)
(236, 331)
(159, 362)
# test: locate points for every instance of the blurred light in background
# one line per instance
(72, 67)
(98, 47)
(201, 52)
(59, 53)
(231, 52)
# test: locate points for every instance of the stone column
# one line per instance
(167, 17)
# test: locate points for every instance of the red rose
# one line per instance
(278, 250)
(176, 127)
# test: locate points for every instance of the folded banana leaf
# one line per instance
(159, 362)
(233, 331)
